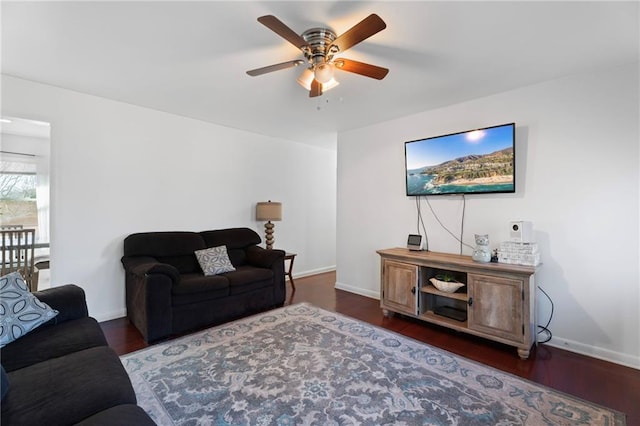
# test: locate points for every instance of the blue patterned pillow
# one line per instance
(20, 311)
(214, 260)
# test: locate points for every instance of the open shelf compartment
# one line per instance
(433, 299)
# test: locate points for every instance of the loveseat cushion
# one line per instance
(4, 382)
(195, 288)
(236, 240)
(51, 342)
(248, 278)
(120, 415)
(68, 389)
(175, 248)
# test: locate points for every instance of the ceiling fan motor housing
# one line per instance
(320, 47)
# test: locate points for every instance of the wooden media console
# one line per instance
(497, 301)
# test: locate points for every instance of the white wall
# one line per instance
(118, 169)
(24, 144)
(577, 181)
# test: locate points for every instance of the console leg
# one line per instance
(523, 353)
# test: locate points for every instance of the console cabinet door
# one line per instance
(400, 287)
(496, 306)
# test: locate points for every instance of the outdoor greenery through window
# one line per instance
(18, 201)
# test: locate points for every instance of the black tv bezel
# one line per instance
(511, 191)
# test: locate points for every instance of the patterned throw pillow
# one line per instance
(214, 260)
(20, 311)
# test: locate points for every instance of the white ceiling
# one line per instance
(190, 58)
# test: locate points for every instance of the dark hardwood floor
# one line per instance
(601, 382)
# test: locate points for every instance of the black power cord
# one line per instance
(421, 221)
(446, 229)
(464, 208)
(545, 329)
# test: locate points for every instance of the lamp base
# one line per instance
(268, 235)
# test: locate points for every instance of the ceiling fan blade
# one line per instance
(361, 68)
(275, 67)
(316, 89)
(278, 27)
(359, 32)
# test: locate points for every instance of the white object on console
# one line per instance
(521, 231)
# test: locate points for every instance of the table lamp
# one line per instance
(269, 211)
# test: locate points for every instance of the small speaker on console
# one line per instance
(521, 231)
(414, 242)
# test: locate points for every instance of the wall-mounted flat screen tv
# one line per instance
(477, 161)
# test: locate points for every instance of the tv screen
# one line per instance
(477, 161)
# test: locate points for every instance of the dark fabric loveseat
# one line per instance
(167, 292)
(63, 372)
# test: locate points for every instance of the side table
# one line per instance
(290, 257)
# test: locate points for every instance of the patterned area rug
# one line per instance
(303, 365)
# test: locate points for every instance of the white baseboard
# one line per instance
(111, 315)
(374, 294)
(595, 352)
(569, 345)
(557, 342)
(313, 272)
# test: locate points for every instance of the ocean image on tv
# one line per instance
(478, 161)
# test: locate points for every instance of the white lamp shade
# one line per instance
(306, 78)
(329, 84)
(324, 72)
(269, 211)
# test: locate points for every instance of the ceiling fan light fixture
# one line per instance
(324, 72)
(319, 46)
(329, 84)
(307, 77)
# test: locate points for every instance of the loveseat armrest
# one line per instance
(143, 265)
(274, 260)
(148, 285)
(69, 300)
(258, 256)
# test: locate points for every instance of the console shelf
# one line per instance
(434, 318)
(497, 301)
(430, 289)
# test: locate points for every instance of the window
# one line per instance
(18, 202)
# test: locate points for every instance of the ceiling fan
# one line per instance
(319, 46)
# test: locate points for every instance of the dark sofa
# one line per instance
(167, 292)
(64, 373)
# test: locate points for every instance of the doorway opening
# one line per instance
(25, 152)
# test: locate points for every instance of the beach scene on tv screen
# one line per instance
(471, 162)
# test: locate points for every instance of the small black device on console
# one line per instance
(414, 242)
(449, 312)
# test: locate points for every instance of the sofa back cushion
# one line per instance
(174, 248)
(236, 239)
